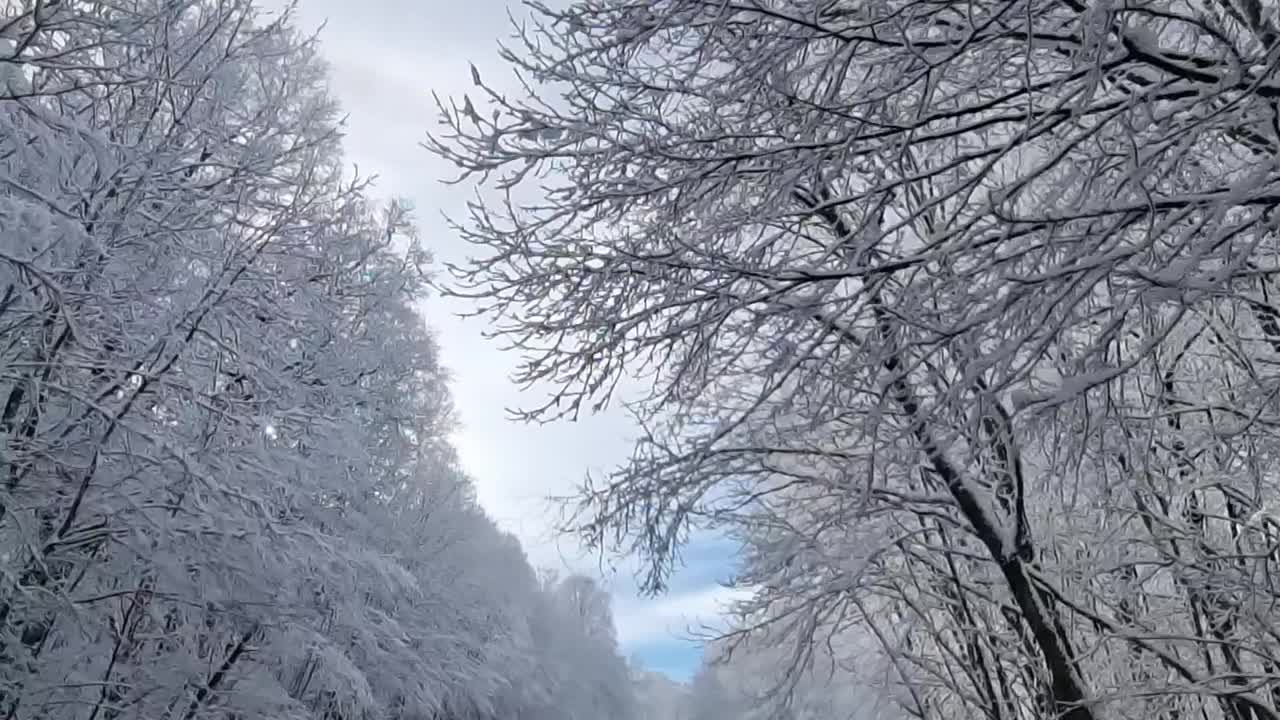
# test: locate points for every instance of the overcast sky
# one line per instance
(387, 56)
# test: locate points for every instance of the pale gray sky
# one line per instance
(386, 57)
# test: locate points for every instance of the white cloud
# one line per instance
(673, 616)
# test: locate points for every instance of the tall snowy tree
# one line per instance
(959, 314)
(228, 489)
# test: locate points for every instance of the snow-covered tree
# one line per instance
(578, 655)
(657, 696)
(838, 681)
(228, 489)
(959, 315)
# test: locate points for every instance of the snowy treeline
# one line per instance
(743, 687)
(962, 316)
(226, 489)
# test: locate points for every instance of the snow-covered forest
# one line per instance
(228, 490)
(960, 318)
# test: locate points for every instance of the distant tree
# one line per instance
(578, 654)
(736, 680)
(657, 695)
(593, 606)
